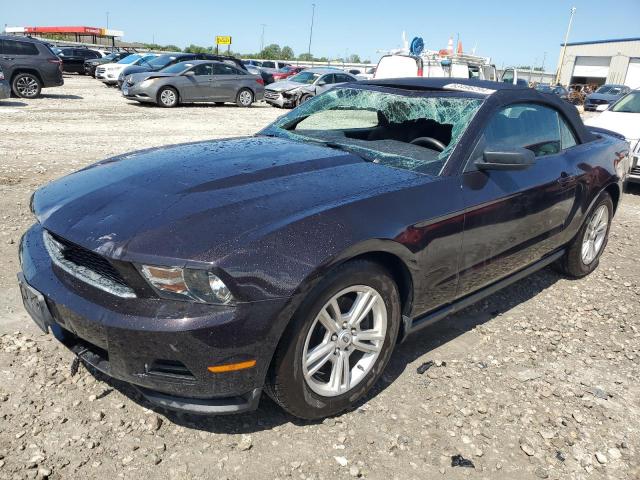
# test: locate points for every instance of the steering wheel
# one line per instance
(429, 142)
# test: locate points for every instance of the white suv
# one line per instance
(109, 72)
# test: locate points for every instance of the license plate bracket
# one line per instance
(35, 305)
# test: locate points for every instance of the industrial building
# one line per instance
(601, 61)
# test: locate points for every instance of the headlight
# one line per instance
(146, 83)
(187, 284)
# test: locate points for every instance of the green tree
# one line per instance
(271, 52)
(354, 58)
(287, 53)
(305, 57)
(195, 49)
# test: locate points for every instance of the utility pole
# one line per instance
(262, 37)
(564, 47)
(107, 20)
(313, 13)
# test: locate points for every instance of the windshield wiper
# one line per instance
(345, 148)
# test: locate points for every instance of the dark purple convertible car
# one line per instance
(295, 260)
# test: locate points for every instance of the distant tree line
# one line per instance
(270, 52)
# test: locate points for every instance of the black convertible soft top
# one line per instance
(496, 94)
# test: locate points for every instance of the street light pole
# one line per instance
(107, 20)
(564, 47)
(313, 13)
(262, 37)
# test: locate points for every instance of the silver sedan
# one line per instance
(195, 81)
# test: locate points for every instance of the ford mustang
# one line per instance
(293, 261)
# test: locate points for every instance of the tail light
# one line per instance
(260, 81)
(420, 72)
(1, 75)
(57, 61)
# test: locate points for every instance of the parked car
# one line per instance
(605, 95)
(558, 90)
(91, 65)
(162, 61)
(73, 59)
(196, 81)
(274, 65)
(623, 117)
(286, 72)
(267, 78)
(401, 66)
(368, 74)
(255, 63)
(109, 72)
(5, 88)
(304, 86)
(294, 261)
(29, 65)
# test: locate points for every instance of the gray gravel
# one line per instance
(538, 381)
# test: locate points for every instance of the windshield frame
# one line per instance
(447, 167)
(131, 59)
(620, 103)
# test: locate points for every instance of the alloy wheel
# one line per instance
(168, 97)
(344, 341)
(27, 87)
(595, 234)
(245, 98)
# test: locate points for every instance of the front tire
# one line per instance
(168, 97)
(583, 254)
(244, 98)
(26, 85)
(338, 343)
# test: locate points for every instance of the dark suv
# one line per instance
(29, 65)
(73, 58)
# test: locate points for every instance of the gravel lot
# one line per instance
(538, 381)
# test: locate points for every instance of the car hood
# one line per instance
(627, 124)
(200, 201)
(139, 77)
(602, 96)
(131, 69)
(284, 85)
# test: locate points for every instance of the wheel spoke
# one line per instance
(340, 373)
(361, 307)
(319, 356)
(360, 341)
(328, 322)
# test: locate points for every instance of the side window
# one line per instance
(12, 47)
(268, 64)
(567, 138)
(222, 69)
(204, 69)
(507, 76)
(530, 126)
(327, 79)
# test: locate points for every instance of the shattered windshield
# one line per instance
(410, 131)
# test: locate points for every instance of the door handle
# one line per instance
(565, 179)
(9, 58)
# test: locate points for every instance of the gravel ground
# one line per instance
(538, 381)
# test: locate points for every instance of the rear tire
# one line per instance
(244, 98)
(583, 253)
(304, 98)
(26, 85)
(168, 97)
(312, 387)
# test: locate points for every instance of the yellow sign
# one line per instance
(223, 40)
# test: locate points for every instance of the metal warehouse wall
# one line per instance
(620, 53)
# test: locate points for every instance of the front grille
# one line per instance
(270, 94)
(86, 265)
(100, 70)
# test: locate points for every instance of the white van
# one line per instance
(399, 66)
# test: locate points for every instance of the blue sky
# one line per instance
(509, 32)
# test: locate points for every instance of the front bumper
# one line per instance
(277, 99)
(134, 92)
(110, 78)
(162, 347)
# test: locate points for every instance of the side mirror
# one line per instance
(516, 159)
(602, 107)
(190, 73)
(322, 82)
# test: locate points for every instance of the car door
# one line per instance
(196, 87)
(324, 83)
(225, 81)
(16, 54)
(515, 217)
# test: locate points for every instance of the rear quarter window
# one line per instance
(16, 47)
